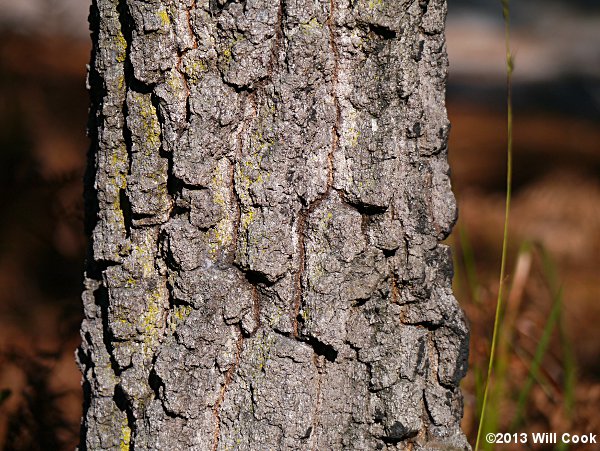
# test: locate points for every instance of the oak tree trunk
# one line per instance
(266, 195)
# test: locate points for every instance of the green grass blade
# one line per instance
(509, 71)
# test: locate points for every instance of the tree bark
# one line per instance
(266, 195)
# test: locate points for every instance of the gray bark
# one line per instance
(266, 195)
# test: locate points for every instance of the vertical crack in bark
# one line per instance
(256, 308)
(300, 224)
(394, 285)
(279, 34)
(320, 363)
(303, 215)
(228, 378)
(432, 376)
(188, 12)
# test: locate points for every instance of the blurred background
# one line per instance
(548, 366)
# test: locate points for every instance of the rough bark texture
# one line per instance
(267, 192)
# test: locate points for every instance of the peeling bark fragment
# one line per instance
(266, 193)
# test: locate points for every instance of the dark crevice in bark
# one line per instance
(426, 415)
(368, 210)
(101, 299)
(307, 434)
(360, 302)
(240, 89)
(157, 385)
(388, 253)
(382, 31)
(127, 27)
(218, 6)
(96, 268)
(394, 290)
(396, 434)
(120, 400)
(179, 210)
(174, 187)
(257, 278)
(125, 206)
(320, 348)
(279, 36)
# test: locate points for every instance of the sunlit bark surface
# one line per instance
(267, 190)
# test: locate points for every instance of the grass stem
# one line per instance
(509, 71)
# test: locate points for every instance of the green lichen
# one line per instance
(151, 321)
(315, 273)
(144, 258)
(152, 315)
(375, 4)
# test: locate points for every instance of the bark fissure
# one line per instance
(313, 435)
(228, 378)
(304, 214)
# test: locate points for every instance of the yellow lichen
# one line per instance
(178, 315)
(125, 435)
(222, 235)
(121, 83)
(375, 4)
(164, 18)
(247, 218)
(306, 314)
(151, 125)
(121, 45)
(264, 351)
(149, 121)
(311, 25)
(227, 55)
(194, 69)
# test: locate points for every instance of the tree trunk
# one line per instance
(266, 195)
